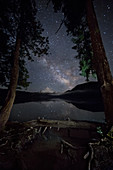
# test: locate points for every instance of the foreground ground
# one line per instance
(55, 145)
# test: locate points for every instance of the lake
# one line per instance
(56, 110)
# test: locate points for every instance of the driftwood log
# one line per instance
(63, 124)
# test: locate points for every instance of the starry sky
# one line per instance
(59, 70)
(104, 12)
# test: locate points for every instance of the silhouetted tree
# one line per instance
(100, 62)
(73, 12)
(76, 23)
(83, 48)
(21, 34)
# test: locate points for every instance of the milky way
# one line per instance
(59, 70)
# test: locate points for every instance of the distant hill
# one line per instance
(86, 86)
(86, 96)
(84, 92)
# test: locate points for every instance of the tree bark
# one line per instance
(6, 108)
(100, 63)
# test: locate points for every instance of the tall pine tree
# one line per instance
(21, 34)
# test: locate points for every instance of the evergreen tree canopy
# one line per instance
(18, 18)
(83, 47)
(76, 23)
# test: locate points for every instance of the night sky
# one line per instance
(104, 11)
(59, 71)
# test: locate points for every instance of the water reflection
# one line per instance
(58, 110)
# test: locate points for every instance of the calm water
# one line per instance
(59, 110)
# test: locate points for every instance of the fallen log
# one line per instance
(64, 124)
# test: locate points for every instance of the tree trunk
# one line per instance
(6, 108)
(100, 63)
